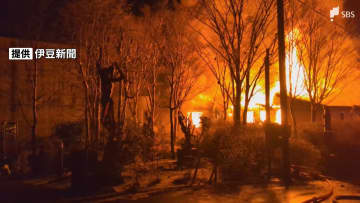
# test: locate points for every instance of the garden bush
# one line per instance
(68, 132)
(129, 146)
(240, 153)
(304, 153)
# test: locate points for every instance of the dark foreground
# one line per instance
(12, 191)
(18, 191)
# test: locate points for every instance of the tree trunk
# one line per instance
(175, 115)
(172, 139)
(172, 121)
(268, 118)
(34, 109)
(237, 105)
(246, 106)
(98, 124)
(86, 109)
(247, 98)
(293, 117)
(153, 105)
(283, 92)
(313, 110)
(92, 128)
(225, 110)
(119, 102)
(267, 86)
(86, 119)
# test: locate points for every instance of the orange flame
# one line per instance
(294, 69)
(195, 118)
(294, 81)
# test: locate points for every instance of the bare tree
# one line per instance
(123, 50)
(135, 72)
(219, 69)
(97, 34)
(180, 63)
(294, 71)
(152, 67)
(35, 33)
(326, 58)
(239, 29)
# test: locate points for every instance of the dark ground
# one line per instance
(12, 191)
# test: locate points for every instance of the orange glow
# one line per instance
(258, 98)
(294, 77)
(204, 97)
(278, 116)
(294, 81)
(294, 69)
(250, 117)
(262, 115)
(195, 117)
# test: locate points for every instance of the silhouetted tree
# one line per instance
(326, 56)
(180, 63)
(240, 28)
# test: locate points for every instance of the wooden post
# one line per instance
(267, 86)
(283, 92)
(267, 108)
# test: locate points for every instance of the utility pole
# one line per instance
(267, 109)
(283, 92)
(267, 86)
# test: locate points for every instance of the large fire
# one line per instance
(294, 69)
(195, 118)
(294, 76)
(262, 115)
(250, 117)
(294, 82)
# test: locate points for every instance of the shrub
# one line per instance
(313, 133)
(240, 153)
(129, 146)
(245, 152)
(22, 165)
(304, 153)
(68, 132)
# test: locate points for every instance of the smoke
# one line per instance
(353, 25)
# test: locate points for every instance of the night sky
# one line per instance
(353, 5)
(15, 19)
(17, 16)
